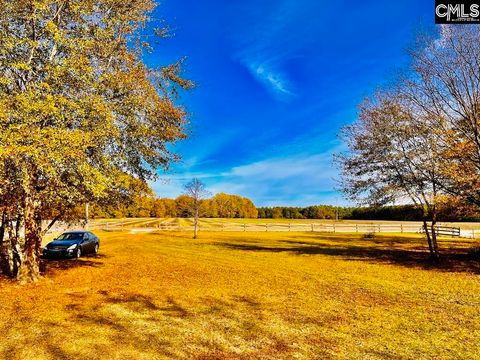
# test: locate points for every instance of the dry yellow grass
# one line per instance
(215, 222)
(247, 295)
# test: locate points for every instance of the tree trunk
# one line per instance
(5, 253)
(429, 239)
(30, 267)
(195, 224)
(15, 246)
(10, 255)
(3, 220)
(14, 249)
(435, 254)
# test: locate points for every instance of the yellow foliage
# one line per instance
(78, 107)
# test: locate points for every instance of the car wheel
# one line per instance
(95, 250)
(78, 252)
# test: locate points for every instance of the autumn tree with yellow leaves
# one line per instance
(419, 141)
(78, 110)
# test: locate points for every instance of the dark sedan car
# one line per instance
(72, 244)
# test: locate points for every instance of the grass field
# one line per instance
(252, 295)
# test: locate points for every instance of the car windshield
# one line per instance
(70, 236)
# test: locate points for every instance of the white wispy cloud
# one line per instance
(264, 50)
(275, 81)
(300, 179)
(318, 168)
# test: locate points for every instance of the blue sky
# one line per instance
(275, 82)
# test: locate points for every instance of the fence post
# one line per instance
(473, 234)
(289, 227)
(379, 229)
(401, 228)
(334, 228)
(266, 227)
(356, 228)
(244, 227)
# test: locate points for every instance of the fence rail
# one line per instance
(273, 227)
(150, 225)
(446, 231)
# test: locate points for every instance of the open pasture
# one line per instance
(468, 229)
(248, 295)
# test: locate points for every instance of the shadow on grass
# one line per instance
(117, 324)
(452, 259)
(128, 321)
(173, 309)
(133, 301)
(56, 264)
(101, 328)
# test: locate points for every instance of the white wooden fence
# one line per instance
(150, 225)
(272, 227)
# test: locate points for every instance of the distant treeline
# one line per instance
(146, 205)
(447, 212)
(309, 212)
